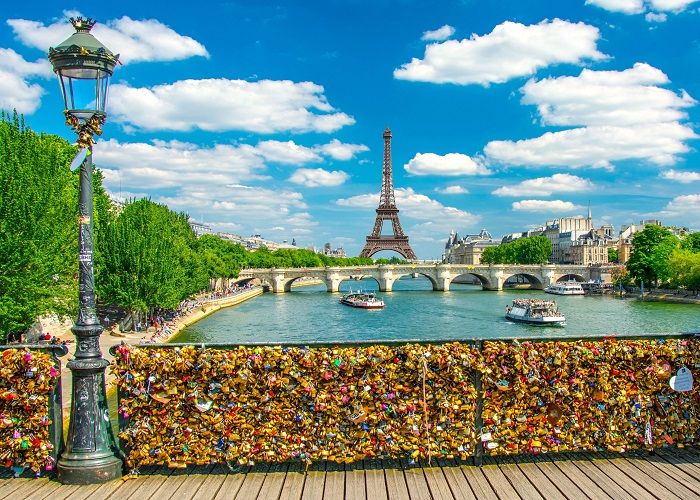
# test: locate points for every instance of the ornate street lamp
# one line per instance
(83, 66)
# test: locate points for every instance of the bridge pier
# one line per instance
(278, 282)
(443, 280)
(386, 279)
(496, 280)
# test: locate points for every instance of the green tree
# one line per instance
(684, 267)
(150, 259)
(651, 250)
(613, 255)
(691, 242)
(530, 250)
(38, 224)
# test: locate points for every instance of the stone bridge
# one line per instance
(491, 277)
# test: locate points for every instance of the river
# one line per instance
(414, 311)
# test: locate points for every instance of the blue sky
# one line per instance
(267, 117)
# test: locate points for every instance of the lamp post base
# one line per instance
(91, 471)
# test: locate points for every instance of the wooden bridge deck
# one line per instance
(670, 474)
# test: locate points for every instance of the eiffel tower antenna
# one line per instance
(387, 211)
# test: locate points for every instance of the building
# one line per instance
(626, 237)
(589, 249)
(200, 229)
(468, 249)
(332, 252)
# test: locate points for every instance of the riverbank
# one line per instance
(669, 297)
(172, 328)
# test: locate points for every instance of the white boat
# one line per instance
(565, 288)
(362, 300)
(535, 312)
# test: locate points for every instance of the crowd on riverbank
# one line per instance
(163, 326)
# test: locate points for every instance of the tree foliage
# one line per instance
(684, 269)
(150, 259)
(38, 224)
(613, 255)
(530, 250)
(651, 251)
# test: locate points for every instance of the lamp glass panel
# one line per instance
(84, 90)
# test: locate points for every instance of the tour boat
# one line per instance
(566, 288)
(362, 300)
(535, 312)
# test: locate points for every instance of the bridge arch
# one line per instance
(571, 277)
(432, 280)
(289, 281)
(536, 282)
(356, 284)
(482, 278)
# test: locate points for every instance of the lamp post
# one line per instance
(83, 66)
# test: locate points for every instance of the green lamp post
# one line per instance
(84, 66)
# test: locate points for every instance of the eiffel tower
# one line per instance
(387, 211)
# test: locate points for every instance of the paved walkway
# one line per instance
(670, 474)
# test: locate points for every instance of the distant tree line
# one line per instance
(660, 258)
(529, 250)
(146, 255)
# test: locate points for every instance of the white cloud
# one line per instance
(670, 5)
(174, 164)
(249, 209)
(511, 50)
(625, 6)
(265, 106)
(437, 218)
(629, 97)
(442, 33)
(680, 176)
(639, 6)
(287, 152)
(624, 115)
(340, 151)
(451, 164)
(544, 206)
(456, 189)
(683, 205)
(16, 91)
(596, 146)
(545, 186)
(654, 17)
(317, 177)
(134, 40)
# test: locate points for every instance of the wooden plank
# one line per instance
(8, 486)
(435, 478)
(73, 491)
(335, 482)
(27, 487)
(212, 483)
(671, 470)
(650, 483)
(478, 482)
(102, 491)
(456, 480)
(375, 480)
(145, 484)
(315, 481)
(579, 484)
(293, 482)
(230, 486)
(253, 482)
(415, 481)
(558, 478)
(396, 487)
(607, 467)
(678, 483)
(272, 485)
(539, 479)
(166, 487)
(499, 482)
(43, 491)
(191, 484)
(681, 460)
(600, 478)
(515, 476)
(355, 482)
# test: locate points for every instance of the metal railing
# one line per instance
(476, 343)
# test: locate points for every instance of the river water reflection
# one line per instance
(414, 311)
